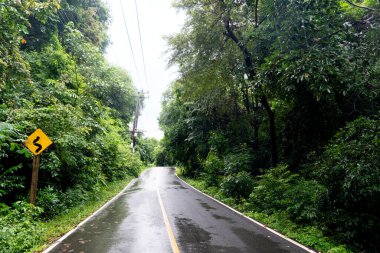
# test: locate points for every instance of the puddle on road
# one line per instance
(219, 217)
(134, 189)
(174, 185)
(207, 206)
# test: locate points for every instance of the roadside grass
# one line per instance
(310, 236)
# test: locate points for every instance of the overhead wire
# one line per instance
(141, 46)
(64, 12)
(129, 38)
(73, 18)
(62, 21)
(62, 18)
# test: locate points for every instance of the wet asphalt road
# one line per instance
(135, 223)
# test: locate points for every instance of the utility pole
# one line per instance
(134, 132)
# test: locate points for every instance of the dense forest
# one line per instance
(54, 76)
(276, 109)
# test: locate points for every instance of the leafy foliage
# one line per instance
(264, 83)
(147, 148)
(213, 166)
(279, 189)
(19, 232)
(350, 170)
(237, 185)
(54, 76)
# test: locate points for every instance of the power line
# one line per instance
(62, 18)
(68, 20)
(129, 39)
(141, 45)
(73, 18)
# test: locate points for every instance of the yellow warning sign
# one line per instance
(37, 142)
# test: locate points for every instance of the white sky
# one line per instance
(157, 18)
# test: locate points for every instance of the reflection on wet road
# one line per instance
(135, 223)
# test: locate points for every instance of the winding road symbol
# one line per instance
(39, 147)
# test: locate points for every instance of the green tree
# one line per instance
(263, 82)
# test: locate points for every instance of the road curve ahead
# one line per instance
(160, 213)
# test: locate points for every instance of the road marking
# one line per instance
(173, 242)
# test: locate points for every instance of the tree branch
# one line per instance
(361, 7)
(256, 13)
(247, 56)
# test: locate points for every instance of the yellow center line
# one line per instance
(173, 242)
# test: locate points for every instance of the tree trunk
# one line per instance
(256, 124)
(272, 130)
(254, 120)
(251, 73)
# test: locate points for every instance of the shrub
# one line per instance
(12, 154)
(49, 200)
(281, 190)
(218, 142)
(213, 167)
(269, 193)
(350, 170)
(239, 160)
(304, 200)
(238, 185)
(20, 231)
(339, 249)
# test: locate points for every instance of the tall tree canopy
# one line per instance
(268, 82)
(54, 76)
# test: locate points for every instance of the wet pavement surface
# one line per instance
(134, 223)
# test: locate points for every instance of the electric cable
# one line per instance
(141, 46)
(61, 17)
(64, 12)
(129, 39)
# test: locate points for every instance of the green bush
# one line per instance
(350, 170)
(304, 200)
(218, 142)
(239, 160)
(19, 229)
(238, 185)
(147, 148)
(269, 194)
(74, 196)
(213, 167)
(54, 202)
(161, 156)
(280, 190)
(339, 249)
(49, 200)
(12, 154)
